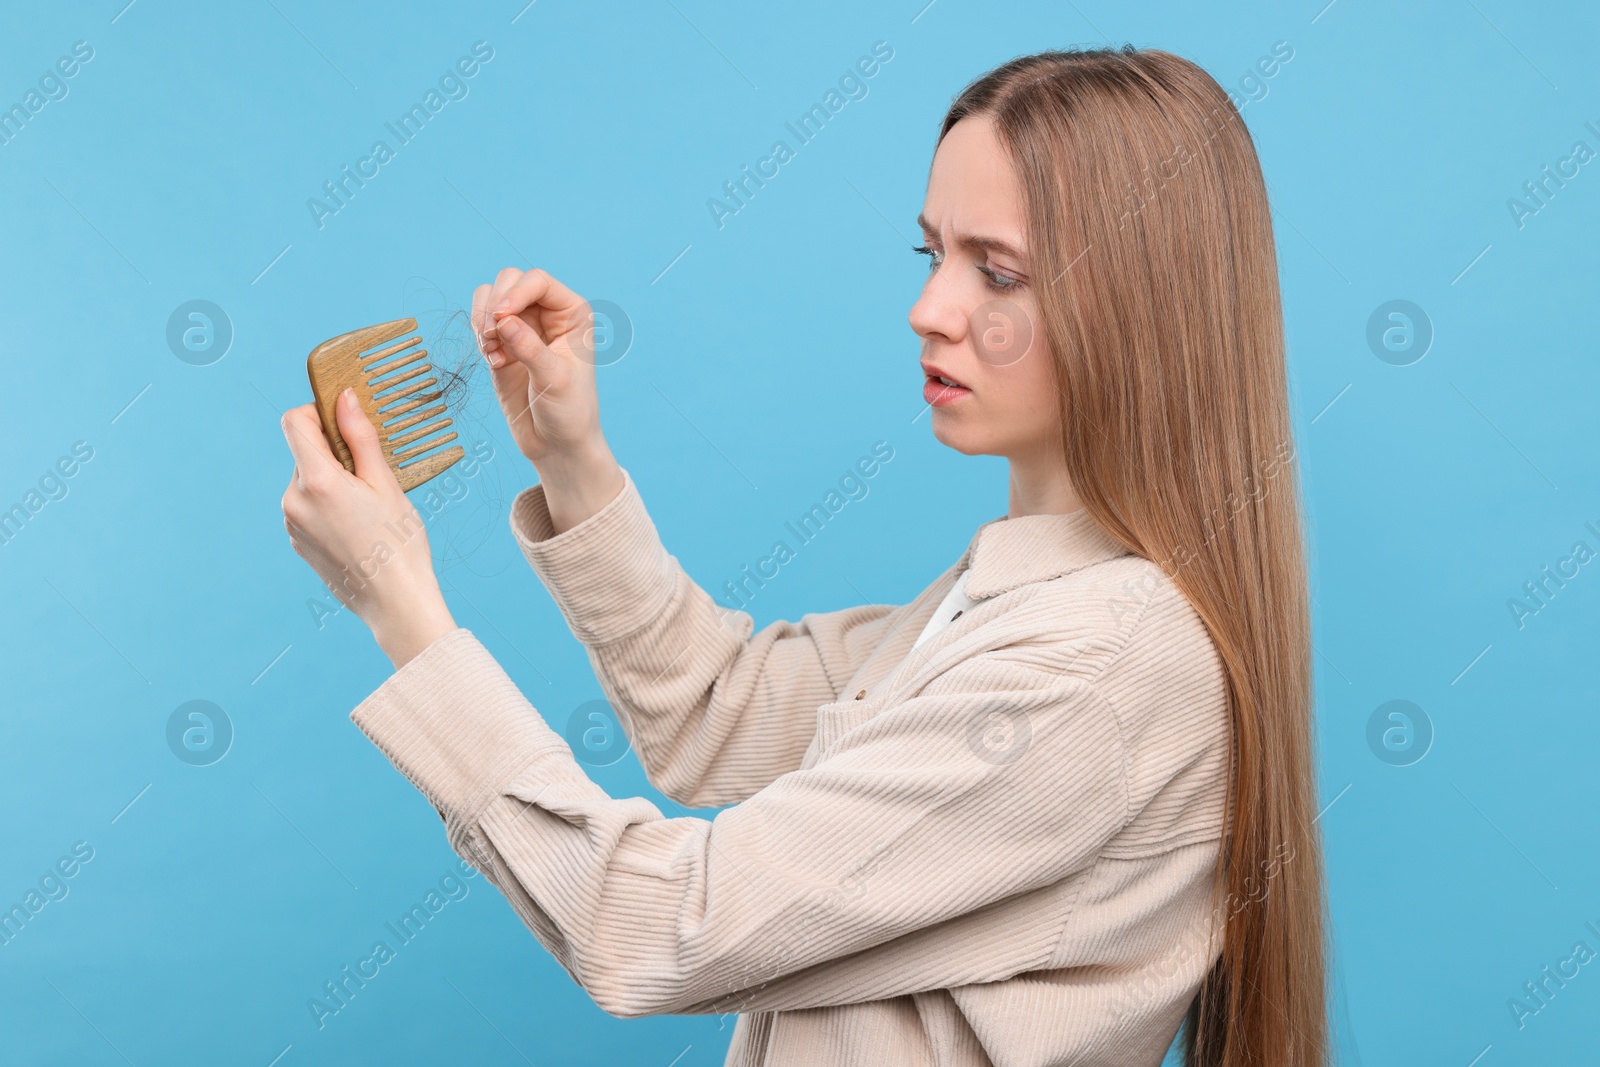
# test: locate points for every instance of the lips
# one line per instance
(938, 394)
(939, 388)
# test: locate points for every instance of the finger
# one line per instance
(558, 309)
(362, 438)
(522, 343)
(516, 390)
(488, 337)
(480, 312)
(302, 429)
(502, 282)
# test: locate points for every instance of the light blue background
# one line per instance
(769, 357)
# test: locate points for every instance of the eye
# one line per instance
(934, 258)
(1000, 283)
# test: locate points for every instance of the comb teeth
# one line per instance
(394, 383)
(393, 375)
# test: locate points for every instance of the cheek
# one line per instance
(1024, 406)
(1017, 412)
(1029, 386)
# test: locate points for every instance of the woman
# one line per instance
(1044, 812)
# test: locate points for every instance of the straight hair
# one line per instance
(1150, 245)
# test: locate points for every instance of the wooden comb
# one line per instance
(391, 381)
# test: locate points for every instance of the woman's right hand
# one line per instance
(538, 337)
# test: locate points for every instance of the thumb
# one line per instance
(362, 439)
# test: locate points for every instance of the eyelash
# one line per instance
(992, 279)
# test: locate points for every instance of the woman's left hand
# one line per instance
(360, 534)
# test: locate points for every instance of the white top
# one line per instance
(955, 603)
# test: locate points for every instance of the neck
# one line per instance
(1040, 486)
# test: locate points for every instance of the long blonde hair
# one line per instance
(1151, 252)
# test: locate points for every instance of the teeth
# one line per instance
(947, 381)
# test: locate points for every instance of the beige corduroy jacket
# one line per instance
(995, 851)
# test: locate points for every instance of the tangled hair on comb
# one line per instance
(456, 358)
(452, 348)
(465, 507)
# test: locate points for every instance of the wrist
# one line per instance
(578, 483)
(403, 633)
(575, 462)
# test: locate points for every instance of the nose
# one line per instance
(938, 313)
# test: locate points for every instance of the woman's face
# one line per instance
(976, 315)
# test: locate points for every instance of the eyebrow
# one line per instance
(972, 240)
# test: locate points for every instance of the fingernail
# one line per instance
(494, 359)
(509, 326)
(501, 309)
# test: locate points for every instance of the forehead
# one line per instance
(972, 186)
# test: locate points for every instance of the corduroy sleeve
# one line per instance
(714, 710)
(923, 850)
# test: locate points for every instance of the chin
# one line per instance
(964, 439)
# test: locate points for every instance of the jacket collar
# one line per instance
(1004, 554)
(1007, 553)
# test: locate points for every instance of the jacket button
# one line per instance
(861, 695)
